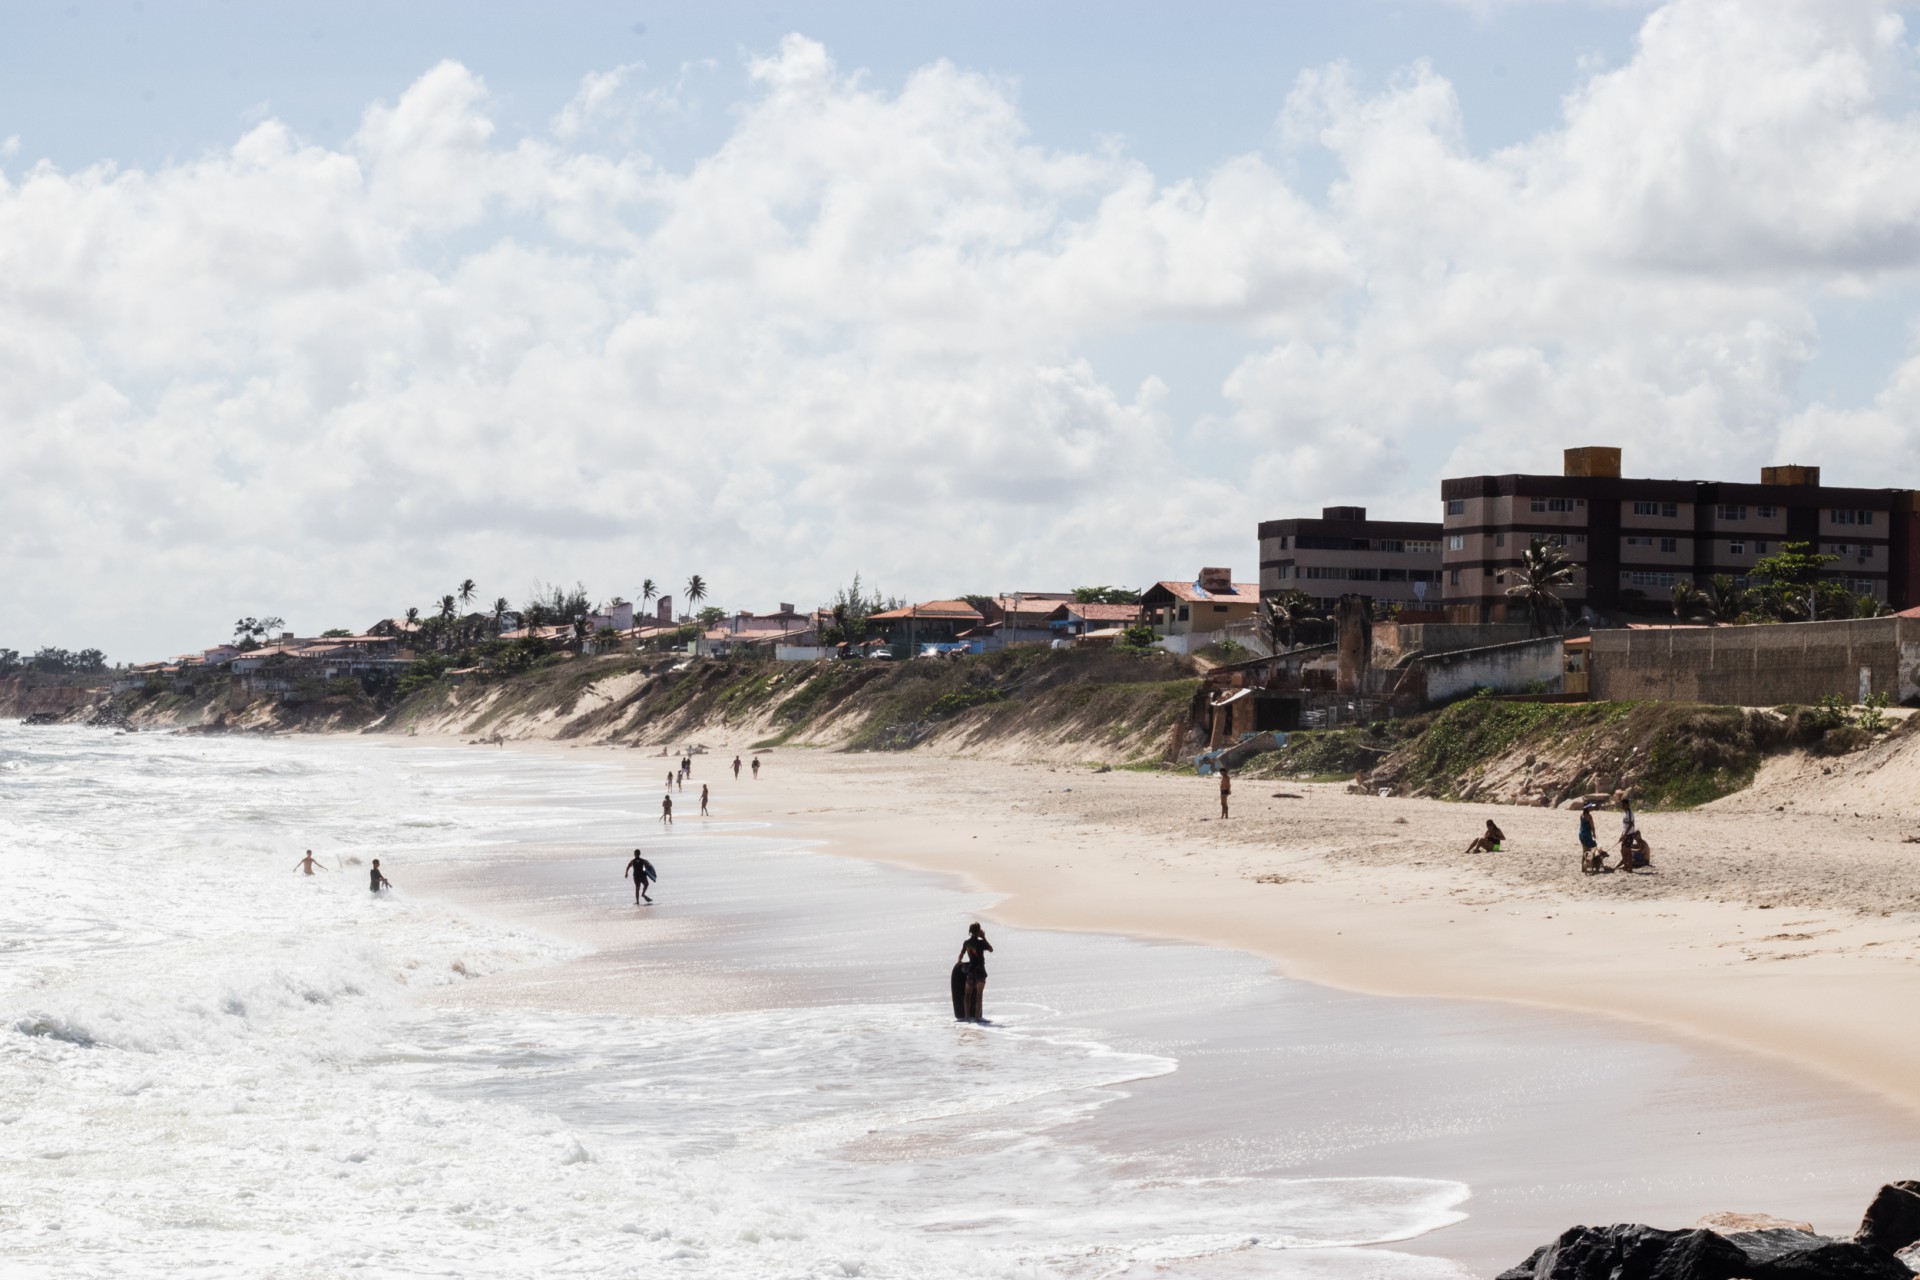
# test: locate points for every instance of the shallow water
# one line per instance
(210, 1063)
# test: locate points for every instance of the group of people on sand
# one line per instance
(1635, 853)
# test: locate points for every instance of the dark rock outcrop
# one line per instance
(1801, 1255)
(1632, 1251)
(1893, 1219)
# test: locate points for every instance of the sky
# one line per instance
(314, 311)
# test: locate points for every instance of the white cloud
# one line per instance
(327, 382)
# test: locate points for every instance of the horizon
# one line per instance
(311, 310)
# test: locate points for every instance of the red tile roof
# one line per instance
(1243, 592)
(1104, 612)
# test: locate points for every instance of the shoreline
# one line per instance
(1818, 987)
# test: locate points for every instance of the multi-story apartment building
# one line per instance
(1629, 535)
(1343, 551)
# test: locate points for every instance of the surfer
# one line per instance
(643, 875)
(376, 880)
(308, 863)
(973, 955)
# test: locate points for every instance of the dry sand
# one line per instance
(1768, 922)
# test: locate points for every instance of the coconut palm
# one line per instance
(500, 609)
(1725, 600)
(1289, 619)
(647, 590)
(466, 592)
(696, 592)
(1689, 605)
(1544, 572)
(413, 618)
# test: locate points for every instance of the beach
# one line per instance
(506, 1068)
(1781, 920)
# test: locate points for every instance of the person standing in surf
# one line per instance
(973, 954)
(703, 799)
(377, 881)
(666, 810)
(643, 875)
(308, 863)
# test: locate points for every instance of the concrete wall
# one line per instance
(1503, 668)
(1761, 666)
(1390, 639)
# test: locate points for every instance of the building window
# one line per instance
(1456, 506)
(1388, 544)
(1182, 617)
(1423, 575)
(1453, 577)
(1736, 548)
(1457, 542)
(1364, 575)
(1634, 540)
(1647, 580)
(1316, 571)
(1219, 608)
(1862, 586)
(1665, 510)
(1852, 517)
(1422, 546)
(1552, 504)
(1725, 512)
(1579, 539)
(1500, 539)
(1766, 513)
(1669, 545)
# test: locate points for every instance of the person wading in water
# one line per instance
(376, 881)
(643, 875)
(973, 954)
(666, 810)
(308, 863)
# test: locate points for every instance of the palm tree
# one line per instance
(466, 592)
(500, 608)
(580, 634)
(1724, 600)
(1288, 618)
(696, 592)
(1544, 571)
(647, 591)
(1689, 605)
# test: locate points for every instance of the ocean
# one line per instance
(213, 1065)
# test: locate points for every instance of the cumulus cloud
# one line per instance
(326, 382)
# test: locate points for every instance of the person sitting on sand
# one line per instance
(1490, 842)
(973, 954)
(666, 810)
(1634, 852)
(703, 799)
(1591, 858)
(307, 864)
(378, 881)
(1226, 789)
(643, 875)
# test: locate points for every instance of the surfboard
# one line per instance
(959, 992)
